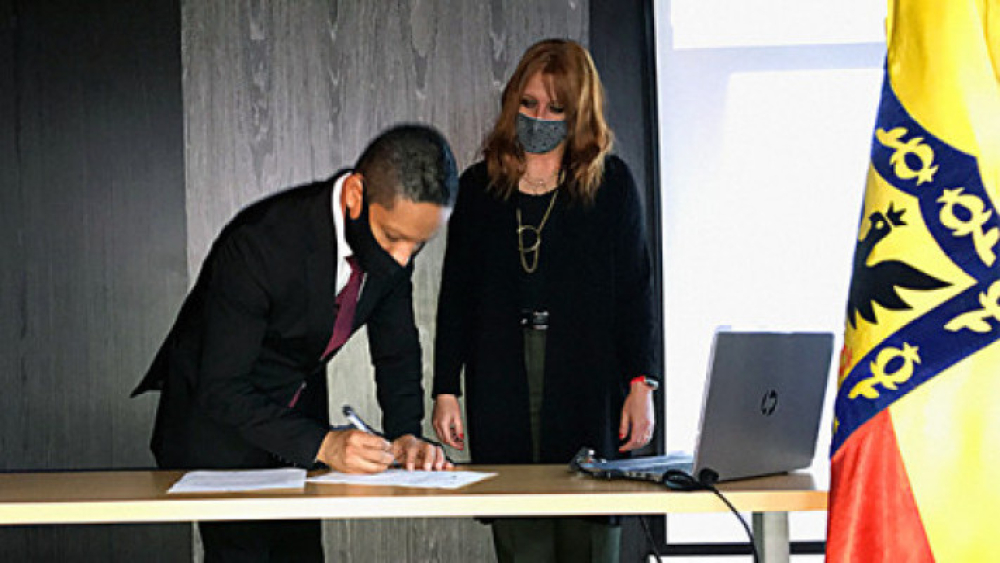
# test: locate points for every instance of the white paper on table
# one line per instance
(403, 478)
(229, 481)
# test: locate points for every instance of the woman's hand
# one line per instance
(447, 420)
(638, 417)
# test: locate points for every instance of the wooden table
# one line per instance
(105, 497)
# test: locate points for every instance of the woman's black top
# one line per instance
(533, 208)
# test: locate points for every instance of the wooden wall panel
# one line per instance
(92, 246)
(280, 94)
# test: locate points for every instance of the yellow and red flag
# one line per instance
(915, 458)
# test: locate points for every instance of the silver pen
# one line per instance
(356, 421)
(361, 425)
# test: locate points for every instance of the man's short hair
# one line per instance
(412, 161)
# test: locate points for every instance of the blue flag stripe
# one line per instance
(937, 348)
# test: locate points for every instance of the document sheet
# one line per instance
(231, 481)
(403, 478)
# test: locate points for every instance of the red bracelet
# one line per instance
(651, 383)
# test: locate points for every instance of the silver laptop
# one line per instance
(760, 413)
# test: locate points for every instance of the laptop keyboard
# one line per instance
(649, 468)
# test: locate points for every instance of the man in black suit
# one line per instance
(242, 373)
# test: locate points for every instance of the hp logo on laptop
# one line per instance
(768, 402)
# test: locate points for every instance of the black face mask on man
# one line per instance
(374, 260)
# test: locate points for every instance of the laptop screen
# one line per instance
(763, 402)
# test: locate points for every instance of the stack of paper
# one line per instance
(240, 480)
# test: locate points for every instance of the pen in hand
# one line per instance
(443, 463)
(356, 421)
(361, 425)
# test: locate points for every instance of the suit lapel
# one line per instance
(321, 270)
(370, 293)
(373, 292)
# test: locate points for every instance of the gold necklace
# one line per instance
(538, 184)
(532, 249)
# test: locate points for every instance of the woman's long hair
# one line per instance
(572, 79)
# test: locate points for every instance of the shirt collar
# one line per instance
(343, 249)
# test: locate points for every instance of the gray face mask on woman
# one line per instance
(539, 136)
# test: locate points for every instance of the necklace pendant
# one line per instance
(534, 263)
(531, 250)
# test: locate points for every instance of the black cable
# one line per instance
(746, 528)
(650, 541)
(682, 481)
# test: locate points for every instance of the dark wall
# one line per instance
(623, 47)
(92, 246)
(10, 220)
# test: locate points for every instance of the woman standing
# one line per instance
(546, 297)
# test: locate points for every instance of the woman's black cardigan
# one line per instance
(599, 293)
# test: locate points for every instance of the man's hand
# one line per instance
(638, 417)
(354, 451)
(447, 420)
(413, 453)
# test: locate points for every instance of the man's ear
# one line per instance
(353, 195)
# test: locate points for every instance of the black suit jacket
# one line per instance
(253, 329)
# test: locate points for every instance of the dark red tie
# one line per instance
(347, 302)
